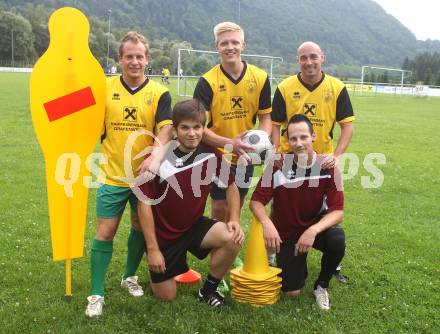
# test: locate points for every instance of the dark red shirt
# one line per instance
(298, 194)
(184, 182)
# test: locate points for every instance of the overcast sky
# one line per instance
(419, 16)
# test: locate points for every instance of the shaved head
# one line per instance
(307, 47)
(309, 57)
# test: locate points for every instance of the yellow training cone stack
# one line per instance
(67, 99)
(256, 282)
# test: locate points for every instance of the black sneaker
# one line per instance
(341, 278)
(215, 299)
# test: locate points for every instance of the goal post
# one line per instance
(385, 69)
(182, 79)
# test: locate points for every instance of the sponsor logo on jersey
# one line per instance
(130, 114)
(296, 95)
(222, 88)
(310, 108)
(237, 102)
(116, 96)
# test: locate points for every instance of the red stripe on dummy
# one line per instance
(69, 104)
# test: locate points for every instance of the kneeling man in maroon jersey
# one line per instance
(308, 205)
(171, 210)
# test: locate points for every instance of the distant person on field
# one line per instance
(149, 71)
(322, 98)
(235, 94)
(133, 103)
(308, 205)
(165, 75)
(162, 75)
(176, 224)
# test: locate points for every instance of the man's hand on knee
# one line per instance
(237, 232)
(156, 261)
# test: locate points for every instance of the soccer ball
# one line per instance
(262, 144)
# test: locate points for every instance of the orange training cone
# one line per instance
(256, 282)
(190, 277)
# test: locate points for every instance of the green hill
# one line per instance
(350, 32)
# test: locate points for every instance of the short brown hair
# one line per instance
(191, 109)
(134, 37)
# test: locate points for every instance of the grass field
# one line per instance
(392, 258)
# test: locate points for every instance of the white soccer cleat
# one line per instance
(321, 297)
(94, 307)
(131, 283)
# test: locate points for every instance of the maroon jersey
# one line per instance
(180, 191)
(299, 194)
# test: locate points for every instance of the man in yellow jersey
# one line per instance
(165, 75)
(235, 94)
(139, 106)
(322, 98)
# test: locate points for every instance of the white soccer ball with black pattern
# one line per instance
(261, 143)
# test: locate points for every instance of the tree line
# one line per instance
(25, 37)
(425, 68)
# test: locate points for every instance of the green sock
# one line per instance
(136, 250)
(99, 261)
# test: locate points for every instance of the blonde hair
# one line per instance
(227, 27)
(134, 37)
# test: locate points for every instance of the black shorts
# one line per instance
(175, 252)
(294, 268)
(242, 180)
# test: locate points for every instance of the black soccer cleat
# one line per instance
(215, 299)
(339, 277)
